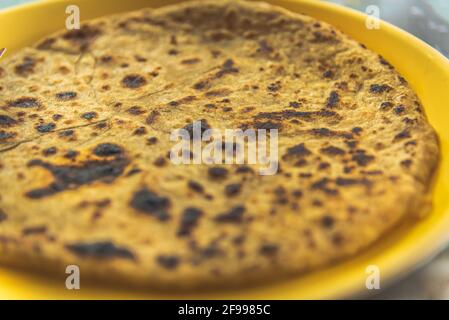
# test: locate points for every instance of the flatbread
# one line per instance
(85, 123)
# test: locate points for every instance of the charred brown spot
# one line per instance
(189, 220)
(66, 96)
(135, 111)
(66, 133)
(152, 117)
(34, 230)
(328, 74)
(351, 181)
(44, 128)
(49, 151)
(217, 172)
(274, 87)
(107, 150)
(299, 150)
(3, 215)
(325, 132)
(89, 115)
(101, 250)
(380, 88)
(233, 189)
(195, 186)
(267, 125)
(46, 44)
(133, 81)
(289, 114)
(327, 221)
(201, 124)
(268, 249)
(362, 158)
(67, 177)
(264, 47)
(405, 134)
(323, 185)
(181, 101)
(399, 110)
(333, 151)
(24, 102)
(235, 215)
(6, 121)
(83, 35)
(168, 262)
(333, 100)
(228, 67)
(190, 61)
(148, 202)
(26, 67)
(4, 135)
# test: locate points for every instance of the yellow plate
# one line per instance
(396, 254)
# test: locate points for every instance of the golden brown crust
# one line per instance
(85, 118)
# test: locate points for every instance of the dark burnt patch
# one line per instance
(361, 158)
(148, 202)
(274, 87)
(333, 151)
(327, 222)
(46, 44)
(399, 110)
(7, 121)
(268, 249)
(135, 110)
(380, 88)
(264, 47)
(49, 151)
(47, 127)
(26, 67)
(195, 186)
(189, 220)
(228, 67)
(68, 177)
(66, 95)
(184, 100)
(203, 126)
(404, 134)
(24, 102)
(291, 114)
(233, 189)
(34, 230)
(169, 262)
(152, 117)
(83, 36)
(107, 150)
(133, 81)
(235, 215)
(352, 181)
(217, 172)
(3, 215)
(89, 115)
(100, 250)
(328, 133)
(267, 125)
(66, 133)
(297, 151)
(4, 135)
(190, 61)
(333, 100)
(323, 185)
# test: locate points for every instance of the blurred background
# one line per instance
(428, 20)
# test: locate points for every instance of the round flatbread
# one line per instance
(85, 123)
